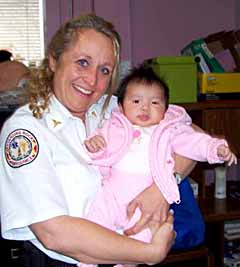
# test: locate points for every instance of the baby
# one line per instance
(135, 148)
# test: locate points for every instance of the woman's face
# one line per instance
(83, 71)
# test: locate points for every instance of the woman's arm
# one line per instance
(91, 243)
(184, 166)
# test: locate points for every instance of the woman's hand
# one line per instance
(153, 206)
(151, 202)
(163, 238)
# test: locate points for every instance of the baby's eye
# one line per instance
(155, 102)
(135, 101)
(83, 62)
(105, 71)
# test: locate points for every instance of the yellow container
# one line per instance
(215, 83)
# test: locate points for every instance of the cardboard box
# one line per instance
(215, 83)
(180, 74)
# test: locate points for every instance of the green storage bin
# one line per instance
(180, 74)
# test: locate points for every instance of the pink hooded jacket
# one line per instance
(172, 135)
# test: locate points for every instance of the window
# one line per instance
(22, 30)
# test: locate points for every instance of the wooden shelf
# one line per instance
(219, 118)
(212, 104)
(215, 213)
(215, 210)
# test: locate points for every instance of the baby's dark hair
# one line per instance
(142, 74)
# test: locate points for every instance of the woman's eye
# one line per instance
(106, 71)
(83, 62)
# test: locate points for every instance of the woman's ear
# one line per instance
(52, 63)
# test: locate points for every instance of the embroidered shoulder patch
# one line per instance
(21, 148)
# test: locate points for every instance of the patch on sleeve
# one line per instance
(21, 148)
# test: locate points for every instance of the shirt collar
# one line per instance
(58, 114)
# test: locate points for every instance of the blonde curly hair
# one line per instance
(40, 86)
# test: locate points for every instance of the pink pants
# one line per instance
(109, 207)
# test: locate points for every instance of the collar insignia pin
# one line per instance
(55, 123)
(94, 113)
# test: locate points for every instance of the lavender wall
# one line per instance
(151, 28)
(119, 13)
(164, 27)
(57, 11)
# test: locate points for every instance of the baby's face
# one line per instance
(144, 104)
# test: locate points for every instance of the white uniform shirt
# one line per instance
(44, 169)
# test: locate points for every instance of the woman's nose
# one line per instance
(91, 77)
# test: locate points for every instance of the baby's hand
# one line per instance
(95, 143)
(224, 153)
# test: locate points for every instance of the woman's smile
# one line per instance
(82, 90)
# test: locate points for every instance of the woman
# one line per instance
(47, 182)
